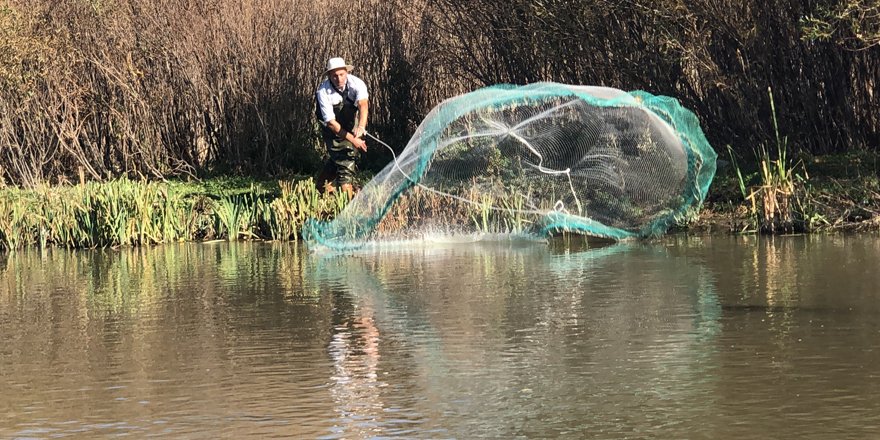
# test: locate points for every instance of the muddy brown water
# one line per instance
(709, 337)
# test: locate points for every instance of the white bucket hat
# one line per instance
(337, 63)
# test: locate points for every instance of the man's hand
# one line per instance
(359, 131)
(360, 144)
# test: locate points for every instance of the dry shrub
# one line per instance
(156, 89)
(717, 56)
(185, 87)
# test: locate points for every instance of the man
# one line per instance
(341, 106)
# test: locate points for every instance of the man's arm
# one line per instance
(363, 111)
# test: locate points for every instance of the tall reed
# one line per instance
(774, 203)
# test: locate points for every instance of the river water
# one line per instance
(685, 337)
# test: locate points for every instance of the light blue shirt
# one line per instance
(328, 96)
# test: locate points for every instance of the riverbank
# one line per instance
(820, 194)
(831, 193)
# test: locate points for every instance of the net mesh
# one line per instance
(531, 161)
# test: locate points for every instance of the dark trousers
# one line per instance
(342, 166)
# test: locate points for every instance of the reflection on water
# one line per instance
(545, 348)
(686, 338)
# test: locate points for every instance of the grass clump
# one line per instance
(131, 213)
(778, 202)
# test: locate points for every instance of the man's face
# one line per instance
(338, 77)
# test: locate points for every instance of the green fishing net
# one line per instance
(530, 162)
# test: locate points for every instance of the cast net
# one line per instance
(533, 161)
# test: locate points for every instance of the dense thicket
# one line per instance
(150, 88)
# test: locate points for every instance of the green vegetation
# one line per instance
(124, 212)
(771, 201)
(814, 194)
(855, 23)
(773, 198)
